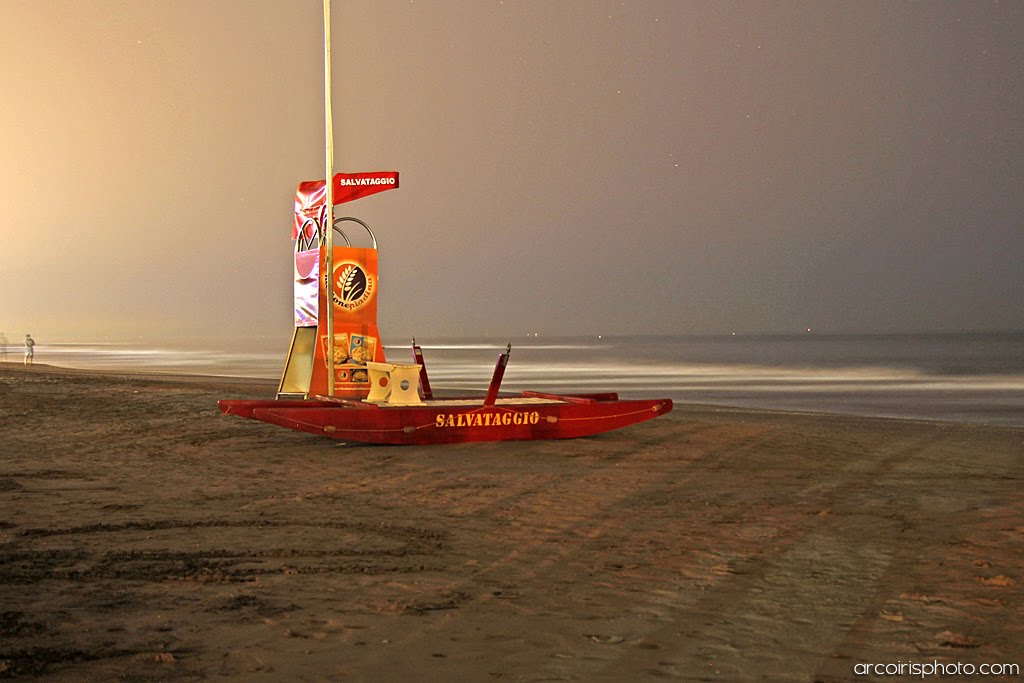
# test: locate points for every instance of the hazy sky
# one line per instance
(571, 166)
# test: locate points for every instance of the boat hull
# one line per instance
(453, 420)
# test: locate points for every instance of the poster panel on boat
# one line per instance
(356, 338)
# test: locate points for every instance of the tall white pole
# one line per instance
(328, 240)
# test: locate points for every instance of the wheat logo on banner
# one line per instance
(352, 288)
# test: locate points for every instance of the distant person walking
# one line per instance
(30, 349)
(3, 347)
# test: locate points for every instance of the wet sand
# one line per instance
(145, 537)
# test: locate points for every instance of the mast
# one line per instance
(328, 240)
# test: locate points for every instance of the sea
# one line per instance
(976, 378)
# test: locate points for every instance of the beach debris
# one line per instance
(998, 580)
(952, 639)
(162, 657)
(449, 601)
(891, 616)
(604, 640)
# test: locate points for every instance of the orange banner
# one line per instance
(356, 339)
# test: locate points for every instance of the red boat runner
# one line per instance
(453, 420)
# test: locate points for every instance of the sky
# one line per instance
(571, 167)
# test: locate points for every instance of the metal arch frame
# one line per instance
(303, 243)
(348, 242)
(366, 227)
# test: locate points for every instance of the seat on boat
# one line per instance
(396, 384)
(380, 382)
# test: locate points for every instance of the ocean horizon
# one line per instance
(964, 377)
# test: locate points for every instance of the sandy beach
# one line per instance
(145, 537)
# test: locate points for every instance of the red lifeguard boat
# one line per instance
(400, 409)
(336, 381)
(341, 386)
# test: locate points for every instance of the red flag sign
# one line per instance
(310, 197)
